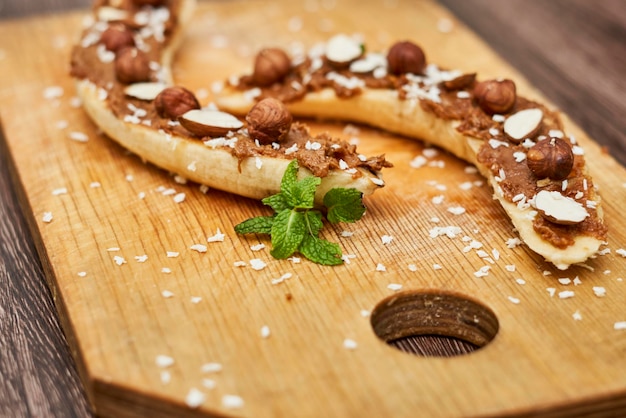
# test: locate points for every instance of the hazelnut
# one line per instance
(116, 37)
(173, 102)
(406, 57)
(552, 158)
(270, 66)
(459, 83)
(268, 121)
(495, 96)
(132, 66)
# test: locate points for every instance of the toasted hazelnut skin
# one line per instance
(269, 121)
(551, 158)
(271, 65)
(406, 57)
(175, 101)
(495, 96)
(132, 66)
(461, 82)
(117, 37)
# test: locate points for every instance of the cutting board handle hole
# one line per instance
(430, 322)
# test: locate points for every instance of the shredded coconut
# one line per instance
(349, 344)
(194, 398)
(164, 361)
(218, 237)
(257, 264)
(232, 402)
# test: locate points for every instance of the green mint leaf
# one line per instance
(298, 193)
(290, 178)
(276, 202)
(258, 225)
(304, 192)
(313, 219)
(321, 251)
(288, 231)
(344, 205)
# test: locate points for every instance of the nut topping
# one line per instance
(406, 57)
(495, 96)
(460, 82)
(271, 65)
(341, 50)
(132, 66)
(559, 209)
(523, 124)
(268, 121)
(211, 123)
(552, 158)
(144, 91)
(116, 37)
(173, 102)
(111, 14)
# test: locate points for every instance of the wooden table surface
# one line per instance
(574, 51)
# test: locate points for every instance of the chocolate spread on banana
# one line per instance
(152, 29)
(451, 95)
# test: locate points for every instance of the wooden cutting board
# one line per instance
(129, 288)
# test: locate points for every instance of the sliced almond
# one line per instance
(109, 14)
(213, 123)
(368, 63)
(559, 209)
(144, 91)
(342, 49)
(523, 124)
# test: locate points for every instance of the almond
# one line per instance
(341, 50)
(523, 124)
(211, 123)
(147, 91)
(110, 14)
(559, 209)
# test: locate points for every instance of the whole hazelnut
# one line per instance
(270, 66)
(495, 96)
(406, 57)
(550, 158)
(173, 102)
(268, 121)
(116, 37)
(132, 66)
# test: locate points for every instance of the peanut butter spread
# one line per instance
(452, 95)
(99, 58)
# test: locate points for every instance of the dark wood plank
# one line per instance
(39, 377)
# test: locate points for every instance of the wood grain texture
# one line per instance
(38, 376)
(36, 391)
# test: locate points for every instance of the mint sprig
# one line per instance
(296, 224)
